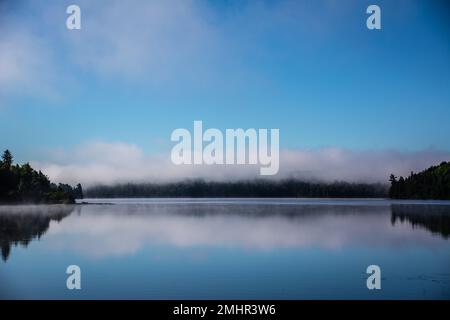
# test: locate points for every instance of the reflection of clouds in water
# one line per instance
(125, 229)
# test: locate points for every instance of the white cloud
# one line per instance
(353, 165)
(100, 231)
(102, 162)
(25, 64)
(154, 43)
(158, 41)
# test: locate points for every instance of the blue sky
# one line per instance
(137, 70)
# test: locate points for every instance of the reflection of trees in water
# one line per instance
(435, 218)
(22, 224)
(250, 209)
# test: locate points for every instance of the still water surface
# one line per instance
(226, 248)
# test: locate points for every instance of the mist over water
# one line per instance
(223, 248)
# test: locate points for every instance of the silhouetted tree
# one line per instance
(432, 183)
(7, 159)
(393, 192)
(78, 192)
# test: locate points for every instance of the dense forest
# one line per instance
(23, 184)
(240, 189)
(432, 183)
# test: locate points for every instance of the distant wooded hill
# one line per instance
(432, 183)
(240, 189)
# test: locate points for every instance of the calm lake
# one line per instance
(226, 248)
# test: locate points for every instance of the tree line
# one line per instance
(23, 184)
(432, 183)
(290, 188)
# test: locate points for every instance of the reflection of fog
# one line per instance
(22, 224)
(433, 218)
(102, 230)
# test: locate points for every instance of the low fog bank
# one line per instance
(113, 163)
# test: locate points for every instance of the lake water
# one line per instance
(226, 249)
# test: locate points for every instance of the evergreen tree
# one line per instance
(7, 159)
(24, 184)
(432, 183)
